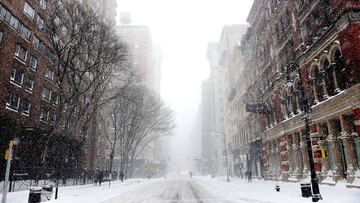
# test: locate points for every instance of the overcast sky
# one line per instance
(183, 28)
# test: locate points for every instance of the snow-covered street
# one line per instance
(196, 189)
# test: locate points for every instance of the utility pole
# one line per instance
(7, 174)
(226, 159)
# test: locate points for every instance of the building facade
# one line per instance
(28, 88)
(321, 38)
(225, 67)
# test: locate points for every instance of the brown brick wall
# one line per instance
(8, 60)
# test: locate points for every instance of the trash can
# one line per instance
(47, 191)
(306, 189)
(35, 195)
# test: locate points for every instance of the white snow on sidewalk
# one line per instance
(85, 193)
(264, 191)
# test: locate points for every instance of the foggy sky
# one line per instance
(183, 28)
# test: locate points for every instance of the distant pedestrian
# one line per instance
(250, 176)
(247, 176)
(121, 176)
(100, 177)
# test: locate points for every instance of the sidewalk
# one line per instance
(264, 191)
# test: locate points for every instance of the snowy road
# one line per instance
(169, 190)
(182, 189)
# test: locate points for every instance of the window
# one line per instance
(12, 101)
(42, 4)
(56, 99)
(49, 74)
(57, 21)
(16, 77)
(52, 117)
(20, 53)
(24, 31)
(33, 62)
(1, 36)
(64, 30)
(26, 107)
(29, 11)
(29, 85)
(44, 115)
(40, 23)
(46, 95)
(14, 22)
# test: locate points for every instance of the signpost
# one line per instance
(8, 156)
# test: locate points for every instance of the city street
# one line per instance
(169, 190)
(181, 188)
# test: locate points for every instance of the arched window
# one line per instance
(319, 85)
(329, 76)
(293, 101)
(285, 104)
(340, 70)
(299, 98)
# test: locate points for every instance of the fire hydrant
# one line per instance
(277, 188)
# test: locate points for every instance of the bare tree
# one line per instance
(85, 53)
(136, 118)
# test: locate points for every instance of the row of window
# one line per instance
(14, 22)
(43, 48)
(30, 13)
(32, 61)
(13, 103)
(17, 78)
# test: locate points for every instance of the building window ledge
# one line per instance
(11, 109)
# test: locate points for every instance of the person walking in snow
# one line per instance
(121, 176)
(250, 176)
(100, 177)
(247, 176)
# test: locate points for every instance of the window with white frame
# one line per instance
(17, 77)
(29, 11)
(55, 99)
(46, 95)
(64, 30)
(33, 62)
(57, 20)
(29, 85)
(44, 115)
(14, 22)
(40, 22)
(12, 101)
(36, 43)
(26, 107)
(52, 117)
(42, 4)
(20, 53)
(49, 74)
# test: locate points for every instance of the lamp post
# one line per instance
(292, 66)
(226, 154)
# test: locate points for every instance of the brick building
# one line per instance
(28, 96)
(322, 38)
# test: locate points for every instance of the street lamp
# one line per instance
(226, 154)
(292, 66)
